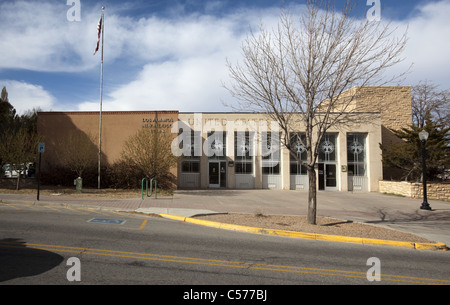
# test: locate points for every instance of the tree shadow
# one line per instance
(336, 223)
(68, 148)
(417, 216)
(17, 260)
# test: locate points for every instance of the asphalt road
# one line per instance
(38, 244)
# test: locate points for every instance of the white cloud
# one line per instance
(177, 63)
(184, 61)
(428, 45)
(189, 85)
(24, 96)
(38, 37)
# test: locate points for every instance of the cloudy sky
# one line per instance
(167, 54)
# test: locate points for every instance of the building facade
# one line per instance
(244, 150)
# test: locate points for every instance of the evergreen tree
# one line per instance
(408, 155)
(7, 113)
(18, 136)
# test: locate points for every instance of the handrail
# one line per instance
(151, 187)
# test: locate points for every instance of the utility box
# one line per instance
(79, 185)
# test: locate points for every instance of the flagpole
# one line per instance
(101, 101)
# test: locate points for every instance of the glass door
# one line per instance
(223, 174)
(330, 176)
(214, 174)
(217, 174)
(327, 177)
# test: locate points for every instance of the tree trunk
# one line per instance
(18, 181)
(312, 197)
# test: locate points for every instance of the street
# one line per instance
(70, 245)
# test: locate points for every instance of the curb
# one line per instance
(314, 236)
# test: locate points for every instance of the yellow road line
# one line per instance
(10, 206)
(68, 208)
(52, 208)
(143, 224)
(228, 264)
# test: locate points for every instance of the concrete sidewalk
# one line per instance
(398, 213)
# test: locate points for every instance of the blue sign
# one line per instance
(41, 147)
(110, 221)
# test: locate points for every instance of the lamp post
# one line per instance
(423, 136)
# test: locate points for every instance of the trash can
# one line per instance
(79, 185)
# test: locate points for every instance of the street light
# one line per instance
(423, 136)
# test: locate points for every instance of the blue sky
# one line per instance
(168, 54)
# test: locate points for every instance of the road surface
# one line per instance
(74, 245)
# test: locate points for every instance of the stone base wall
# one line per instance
(435, 191)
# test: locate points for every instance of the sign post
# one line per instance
(41, 149)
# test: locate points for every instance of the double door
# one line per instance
(217, 174)
(327, 177)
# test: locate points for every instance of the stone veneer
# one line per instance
(435, 191)
(394, 104)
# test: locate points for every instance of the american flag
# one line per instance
(99, 30)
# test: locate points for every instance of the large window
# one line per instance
(191, 161)
(298, 143)
(216, 145)
(356, 154)
(327, 148)
(270, 151)
(244, 152)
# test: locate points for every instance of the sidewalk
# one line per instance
(394, 212)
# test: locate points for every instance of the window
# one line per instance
(270, 151)
(243, 168)
(216, 142)
(244, 152)
(327, 148)
(356, 154)
(190, 166)
(298, 143)
(191, 161)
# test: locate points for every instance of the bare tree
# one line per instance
(427, 98)
(150, 151)
(300, 73)
(77, 151)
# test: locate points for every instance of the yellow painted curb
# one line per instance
(294, 234)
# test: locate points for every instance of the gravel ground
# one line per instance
(324, 226)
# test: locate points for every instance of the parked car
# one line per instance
(11, 171)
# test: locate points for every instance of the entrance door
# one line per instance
(217, 174)
(330, 179)
(327, 177)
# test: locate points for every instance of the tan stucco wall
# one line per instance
(117, 127)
